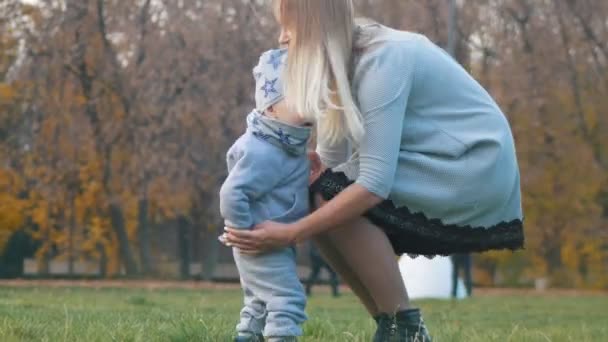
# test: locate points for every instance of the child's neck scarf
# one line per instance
(293, 139)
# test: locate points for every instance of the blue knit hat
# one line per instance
(268, 76)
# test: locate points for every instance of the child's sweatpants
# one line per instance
(274, 297)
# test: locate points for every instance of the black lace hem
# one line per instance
(415, 234)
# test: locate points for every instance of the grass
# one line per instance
(87, 314)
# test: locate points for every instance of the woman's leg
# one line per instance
(361, 253)
(367, 252)
(337, 262)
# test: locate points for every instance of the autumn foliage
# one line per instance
(115, 115)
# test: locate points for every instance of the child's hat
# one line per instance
(268, 76)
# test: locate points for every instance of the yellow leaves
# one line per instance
(42, 251)
(12, 216)
(570, 254)
(130, 205)
(80, 100)
(40, 215)
(560, 182)
(7, 93)
(114, 260)
(167, 200)
(12, 208)
(8, 50)
(97, 234)
(171, 113)
(585, 260)
(9, 180)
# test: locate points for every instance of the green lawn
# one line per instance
(70, 314)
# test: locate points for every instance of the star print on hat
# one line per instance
(268, 87)
(268, 76)
(276, 58)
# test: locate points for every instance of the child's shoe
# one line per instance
(282, 339)
(249, 338)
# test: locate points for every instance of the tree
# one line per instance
(115, 117)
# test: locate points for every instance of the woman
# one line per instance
(414, 156)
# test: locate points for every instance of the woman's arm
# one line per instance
(383, 86)
(351, 203)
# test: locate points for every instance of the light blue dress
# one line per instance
(436, 145)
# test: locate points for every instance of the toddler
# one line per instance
(268, 180)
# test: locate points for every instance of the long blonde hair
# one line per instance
(317, 74)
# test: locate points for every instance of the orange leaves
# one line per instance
(12, 216)
(168, 201)
(40, 216)
(12, 208)
(7, 93)
(552, 86)
(94, 122)
(8, 50)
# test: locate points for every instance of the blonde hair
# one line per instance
(317, 74)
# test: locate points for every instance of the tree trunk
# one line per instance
(14, 254)
(144, 237)
(452, 28)
(44, 264)
(118, 224)
(103, 261)
(102, 145)
(71, 229)
(211, 253)
(183, 240)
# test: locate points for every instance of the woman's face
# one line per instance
(285, 34)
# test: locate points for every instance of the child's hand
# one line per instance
(316, 166)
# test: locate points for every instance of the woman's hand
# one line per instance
(316, 166)
(265, 237)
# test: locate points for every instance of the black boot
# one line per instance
(387, 328)
(404, 326)
(410, 327)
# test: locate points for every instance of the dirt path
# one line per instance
(134, 284)
(198, 285)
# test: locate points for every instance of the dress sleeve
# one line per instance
(383, 81)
